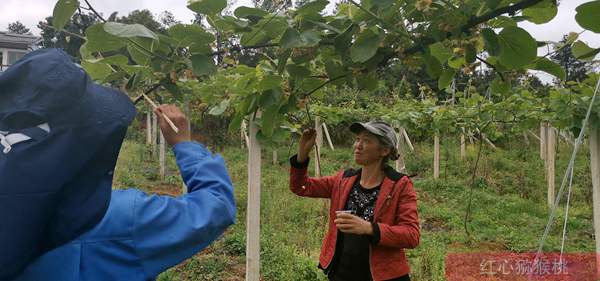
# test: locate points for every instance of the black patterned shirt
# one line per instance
(352, 251)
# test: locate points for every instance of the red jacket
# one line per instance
(395, 215)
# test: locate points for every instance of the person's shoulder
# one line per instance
(118, 220)
(350, 172)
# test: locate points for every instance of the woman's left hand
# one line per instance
(348, 223)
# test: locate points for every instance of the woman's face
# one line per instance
(368, 149)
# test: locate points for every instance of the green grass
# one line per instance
(508, 213)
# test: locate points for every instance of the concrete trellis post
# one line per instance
(594, 144)
(149, 126)
(253, 209)
(328, 136)
(436, 156)
(155, 132)
(319, 144)
(550, 163)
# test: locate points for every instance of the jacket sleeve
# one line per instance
(167, 230)
(302, 185)
(405, 232)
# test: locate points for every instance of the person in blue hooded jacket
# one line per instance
(74, 227)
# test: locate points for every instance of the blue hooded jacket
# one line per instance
(142, 235)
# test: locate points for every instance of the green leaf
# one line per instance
(172, 88)
(269, 119)
(334, 70)
(518, 48)
(343, 41)
(456, 62)
(139, 56)
(203, 65)
(235, 123)
(114, 60)
(583, 52)
(207, 7)
(499, 86)
(502, 22)
(250, 13)
(63, 11)
(440, 52)
(587, 16)
(269, 82)
(97, 71)
(273, 27)
(282, 60)
(255, 37)
(142, 50)
(190, 34)
(542, 12)
(355, 13)
(229, 23)
(293, 39)
(313, 7)
(470, 53)
(490, 40)
(446, 78)
(550, 67)
(297, 71)
(325, 26)
(433, 67)
(129, 30)
(367, 82)
(270, 97)
(99, 40)
(365, 46)
(219, 109)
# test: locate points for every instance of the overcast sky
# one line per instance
(30, 12)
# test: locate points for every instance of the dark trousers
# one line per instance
(403, 278)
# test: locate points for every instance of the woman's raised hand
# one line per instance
(307, 141)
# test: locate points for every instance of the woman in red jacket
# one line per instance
(373, 215)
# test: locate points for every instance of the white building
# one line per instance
(15, 46)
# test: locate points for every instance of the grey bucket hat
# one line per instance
(383, 130)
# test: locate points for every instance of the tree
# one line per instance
(575, 69)
(167, 19)
(145, 18)
(18, 28)
(272, 5)
(71, 44)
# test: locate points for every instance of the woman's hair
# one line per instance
(386, 144)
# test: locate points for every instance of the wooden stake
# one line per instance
(253, 209)
(275, 158)
(186, 109)
(491, 144)
(318, 145)
(526, 139)
(148, 127)
(533, 134)
(400, 164)
(463, 147)
(436, 156)
(161, 157)
(543, 134)
(550, 163)
(410, 145)
(328, 136)
(243, 137)
(595, 167)
(155, 132)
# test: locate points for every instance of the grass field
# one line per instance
(509, 209)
